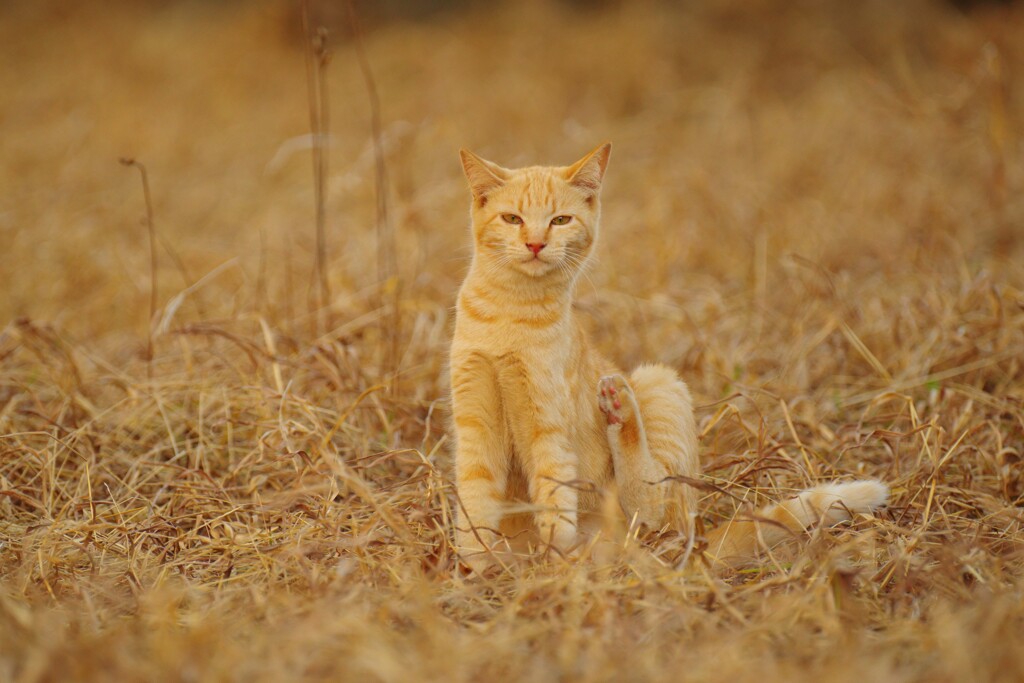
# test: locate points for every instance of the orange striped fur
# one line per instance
(543, 425)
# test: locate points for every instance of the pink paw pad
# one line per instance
(609, 398)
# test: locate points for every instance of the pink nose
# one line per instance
(535, 247)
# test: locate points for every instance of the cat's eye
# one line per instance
(561, 220)
(511, 218)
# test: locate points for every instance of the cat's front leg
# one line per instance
(481, 457)
(553, 470)
(537, 401)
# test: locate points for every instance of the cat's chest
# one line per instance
(549, 345)
(527, 367)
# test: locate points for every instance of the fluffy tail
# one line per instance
(737, 542)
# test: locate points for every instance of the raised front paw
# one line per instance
(615, 399)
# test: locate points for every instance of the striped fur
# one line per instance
(544, 426)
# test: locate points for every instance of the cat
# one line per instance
(544, 426)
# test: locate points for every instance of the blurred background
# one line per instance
(750, 138)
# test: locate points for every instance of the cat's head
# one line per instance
(539, 220)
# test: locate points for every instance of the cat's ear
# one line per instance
(587, 173)
(483, 176)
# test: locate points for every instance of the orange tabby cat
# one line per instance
(543, 424)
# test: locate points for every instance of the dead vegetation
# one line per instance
(814, 212)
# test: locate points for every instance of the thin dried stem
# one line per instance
(317, 58)
(387, 259)
(153, 264)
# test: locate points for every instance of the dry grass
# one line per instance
(814, 212)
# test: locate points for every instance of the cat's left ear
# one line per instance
(587, 173)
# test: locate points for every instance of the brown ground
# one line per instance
(815, 211)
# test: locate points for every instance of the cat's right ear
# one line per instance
(483, 176)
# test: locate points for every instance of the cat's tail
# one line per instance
(738, 541)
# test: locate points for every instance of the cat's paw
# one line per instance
(478, 563)
(474, 557)
(615, 399)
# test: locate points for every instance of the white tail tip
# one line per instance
(864, 495)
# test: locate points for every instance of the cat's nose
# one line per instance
(535, 247)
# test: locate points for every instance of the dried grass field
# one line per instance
(814, 211)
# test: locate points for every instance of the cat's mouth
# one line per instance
(534, 264)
